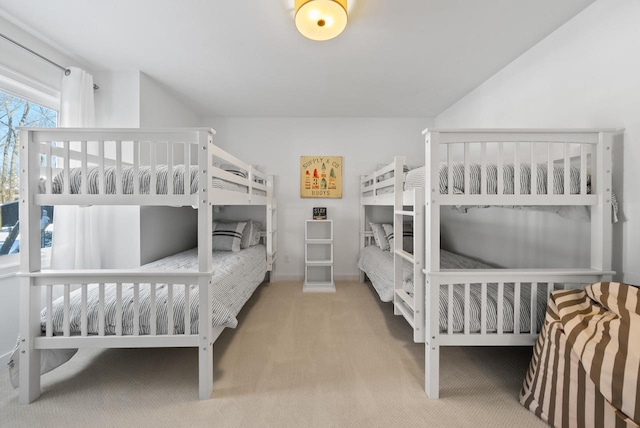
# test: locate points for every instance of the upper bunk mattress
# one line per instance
(416, 179)
(144, 180)
(236, 275)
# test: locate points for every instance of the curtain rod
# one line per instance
(55, 64)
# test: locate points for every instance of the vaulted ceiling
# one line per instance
(244, 58)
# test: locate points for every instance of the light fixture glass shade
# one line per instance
(321, 19)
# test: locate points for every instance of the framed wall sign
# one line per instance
(319, 213)
(321, 176)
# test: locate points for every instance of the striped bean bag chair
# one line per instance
(586, 362)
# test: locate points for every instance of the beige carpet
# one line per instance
(296, 360)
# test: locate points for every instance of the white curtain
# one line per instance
(76, 229)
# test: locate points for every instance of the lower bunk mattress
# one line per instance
(585, 366)
(378, 266)
(236, 276)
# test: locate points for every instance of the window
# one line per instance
(14, 112)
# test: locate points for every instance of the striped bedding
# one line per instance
(378, 266)
(236, 276)
(416, 179)
(585, 366)
(144, 179)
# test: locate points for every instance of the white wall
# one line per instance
(585, 74)
(161, 108)
(275, 145)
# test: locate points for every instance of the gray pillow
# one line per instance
(379, 236)
(255, 237)
(251, 234)
(228, 236)
(407, 236)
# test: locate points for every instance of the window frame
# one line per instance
(20, 86)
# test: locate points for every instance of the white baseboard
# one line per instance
(347, 277)
(336, 277)
(280, 277)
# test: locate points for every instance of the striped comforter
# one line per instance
(586, 362)
(236, 276)
(144, 180)
(416, 179)
(378, 266)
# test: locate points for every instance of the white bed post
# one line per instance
(363, 225)
(601, 228)
(271, 227)
(419, 315)
(432, 264)
(398, 220)
(205, 225)
(30, 305)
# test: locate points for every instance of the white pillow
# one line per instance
(228, 236)
(379, 236)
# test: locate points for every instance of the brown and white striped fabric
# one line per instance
(586, 362)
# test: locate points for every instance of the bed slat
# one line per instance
(83, 315)
(449, 169)
(550, 175)
(152, 168)
(500, 169)
(154, 317)
(483, 168)
(467, 170)
(84, 186)
(118, 167)
(567, 168)
(516, 308)
(101, 179)
(49, 310)
(534, 170)
(67, 167)
(534, 308)
(65, 327)
(500, 306)
(170, 309)
(583, 169)
(136, 168)
(483, 308)
(449, 309)
(101, 309)
(516, 169)
(136, 309)
(119, 309)
(170, 169)
(48, 167)
(187, 310)
(467, 308)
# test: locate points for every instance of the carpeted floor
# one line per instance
(296, 360)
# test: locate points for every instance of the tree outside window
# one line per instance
(16, 112)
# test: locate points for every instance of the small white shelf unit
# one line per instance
(318, 256)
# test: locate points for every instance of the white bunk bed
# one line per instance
(120, 165)
(581, 176)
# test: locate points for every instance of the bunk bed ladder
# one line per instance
(411, 307)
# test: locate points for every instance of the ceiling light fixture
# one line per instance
(321, 20)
